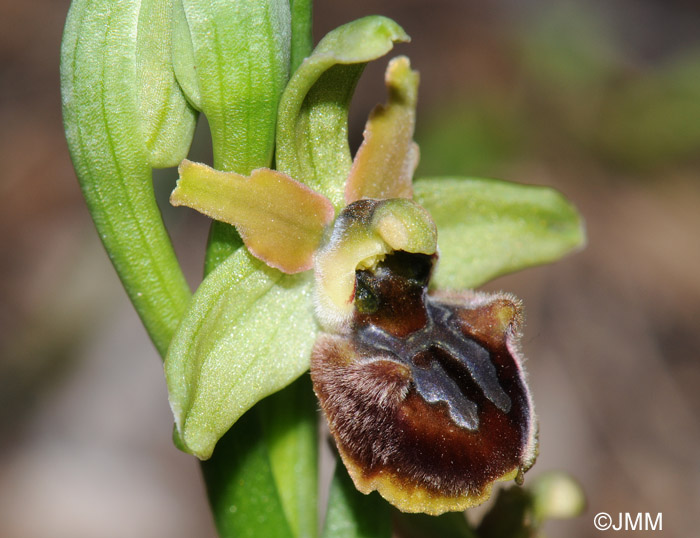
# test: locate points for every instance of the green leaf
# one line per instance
(487, 228)
(241, 485)
(312, 137)
(352, 514)
(289, 422)
(247, 334)
(115, 133)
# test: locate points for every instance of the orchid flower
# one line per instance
(344, 266)
(423, 388)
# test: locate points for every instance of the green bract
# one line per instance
(215, 42)
(247, 334)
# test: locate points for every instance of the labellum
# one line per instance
(424, 392)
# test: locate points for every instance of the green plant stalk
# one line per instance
(108, 121)
(275, 443)
(289, 421)
(240, 484)
(352, 514)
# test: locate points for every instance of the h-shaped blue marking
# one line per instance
(433, 383)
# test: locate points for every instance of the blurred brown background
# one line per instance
(599, 99)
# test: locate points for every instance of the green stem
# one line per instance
(238, 478)
(289, 424)
(248, 475)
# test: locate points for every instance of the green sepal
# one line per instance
(115, 133)
(487, 228)
(312, 132)
(247, 334)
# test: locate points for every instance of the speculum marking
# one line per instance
(434, 383)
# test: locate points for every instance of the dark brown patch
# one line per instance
(393, 295)
(385, 423)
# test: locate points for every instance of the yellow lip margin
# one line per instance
(413, 498)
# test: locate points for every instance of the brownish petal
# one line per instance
(384, 164)
(280, 220)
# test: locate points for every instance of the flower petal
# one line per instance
(388, 156)
(280, 220)
(312, 130)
